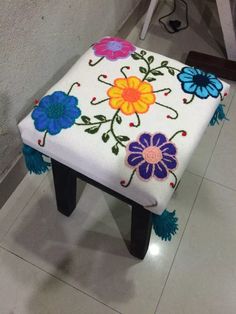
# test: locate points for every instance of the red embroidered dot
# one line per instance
(122, 182)
(78, 84)
(90, 60)
(131, 124)
(172, 184)
(39, 142)
(104, 75)
(166, 94)
(184, 133)
(128, 68)
(225, 94)
(168, 117)
(184, 100)
(94, 98)
(36, 101)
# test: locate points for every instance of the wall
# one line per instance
(39, 42)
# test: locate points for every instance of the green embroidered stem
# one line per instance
(76, 83)
(154, 71)
(166, 67)
(44, 139)
(221, 97)
(104, 76)
(125, 185)
(95, 63)
(162, 90)
(99, 102)
(148, 66)
(173, 184)
(112, 128)
(190, 100)
(122, 70)
(184, 133)
(138, 124)
(169, 117)
(172, 68)
(93, 123)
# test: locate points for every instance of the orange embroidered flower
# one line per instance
(131, 95)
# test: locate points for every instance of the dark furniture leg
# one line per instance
(141, 227)
(65, 187)
(221, 67)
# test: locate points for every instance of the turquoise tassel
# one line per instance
(34, 160)
(218, 115)
(165, 225)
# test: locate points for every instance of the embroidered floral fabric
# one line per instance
(126, 117)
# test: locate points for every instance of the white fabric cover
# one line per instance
(91, 156)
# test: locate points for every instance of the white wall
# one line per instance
(39, 41)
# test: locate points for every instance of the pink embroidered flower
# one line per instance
(113, 48)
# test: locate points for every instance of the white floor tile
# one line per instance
(17, 201)
(203, 276)
(87, 249)
(201, 157)
(222, 167)
(24, 289)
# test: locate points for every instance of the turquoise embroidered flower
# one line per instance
(197, 82)
(56, 112)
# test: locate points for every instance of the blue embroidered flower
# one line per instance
(199, 83)
(55, 112)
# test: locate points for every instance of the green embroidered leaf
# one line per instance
(150, 79)
(135, 56)
(115, 149)
(100, 117)
(164, 63)
(150, 59)
(123, 138)
(105, 137)
(118, 119)
(93, 129)
(143, 52)
(85, 119)
(142, 70)
(171, 71)
(156, 72)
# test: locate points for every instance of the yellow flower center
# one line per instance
(131, 94)
(152, 154)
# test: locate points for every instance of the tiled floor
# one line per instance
(53, 264)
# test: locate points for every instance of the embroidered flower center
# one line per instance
(131, 94)
(114, 46)
(152, 154)
(201, 80)
(55, 111)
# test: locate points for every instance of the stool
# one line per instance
(127, 121)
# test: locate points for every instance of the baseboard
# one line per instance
(11, 180)
(17, 172)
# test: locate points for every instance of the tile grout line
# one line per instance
(21, 211)
(203, 177)
(211, 180)
(57, 278)
(218, 183)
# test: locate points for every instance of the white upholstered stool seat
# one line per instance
(127, 118)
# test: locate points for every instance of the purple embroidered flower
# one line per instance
(152, 156)
(113, 48)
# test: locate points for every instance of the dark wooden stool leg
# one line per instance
(141, 227)
(65, 187)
